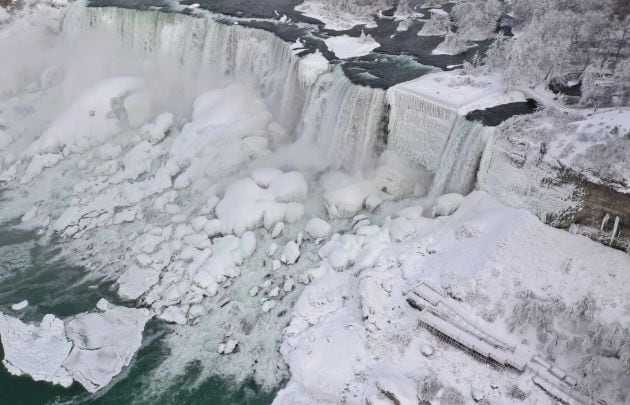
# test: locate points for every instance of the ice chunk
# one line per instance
(20, 305)
(247, 244)
(264, 177)
(290, 187)
(103, 343)
(39, 163)
(228, 347)
(268, 306)
(38, 351)
(277, 229)
(346, 201)
(318, 228)
(344, 46)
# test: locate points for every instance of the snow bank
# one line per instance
(246, 205)
(90, 120)
(354, 319)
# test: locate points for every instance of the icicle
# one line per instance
(604, 221)
(418, 128)
(614, 231)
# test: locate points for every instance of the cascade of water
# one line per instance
(460, 160)
(437, 138)
(202, 43)
(345, 118)
(418, 127)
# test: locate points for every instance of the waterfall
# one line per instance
(344, 119)
(437, 138)
(244, 54)
(418, 128)
(459, 163)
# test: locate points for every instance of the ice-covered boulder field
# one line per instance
(289, 229)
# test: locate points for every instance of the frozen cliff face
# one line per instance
(427, 125)
(566, 169)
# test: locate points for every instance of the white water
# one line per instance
(345, 119)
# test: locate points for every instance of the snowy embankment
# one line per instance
(355, 338)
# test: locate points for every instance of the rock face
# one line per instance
(578, 184)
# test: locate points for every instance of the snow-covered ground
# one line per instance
(237, 193)
(462, 92)
(355, 338)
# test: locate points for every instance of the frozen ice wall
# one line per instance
(434, 136)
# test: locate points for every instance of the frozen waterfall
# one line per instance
(434, 136)
(345, 118)
(342, 118)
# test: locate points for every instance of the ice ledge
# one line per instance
(460, 92)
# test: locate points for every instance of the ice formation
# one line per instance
(90, 348)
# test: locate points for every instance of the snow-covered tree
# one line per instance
(497, 52)
(452, 44)
(560, 39)
(476, 20)
(438, 24)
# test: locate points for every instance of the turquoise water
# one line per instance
(39, 274)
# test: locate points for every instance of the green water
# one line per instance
(39, 274)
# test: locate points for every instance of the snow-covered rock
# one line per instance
(446, 204)
(290, 253)
(317, 228)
